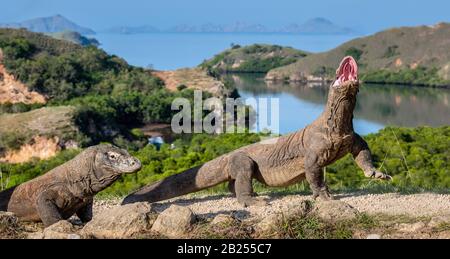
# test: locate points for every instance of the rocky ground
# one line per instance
(414, 205)
(353, 215)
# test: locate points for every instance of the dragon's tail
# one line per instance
(189, 181)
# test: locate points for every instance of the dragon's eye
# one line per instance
(112, 156)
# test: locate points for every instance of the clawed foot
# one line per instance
(323, 195)
(257, 202)
(377, 175)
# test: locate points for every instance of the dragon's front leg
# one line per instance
(363, 158)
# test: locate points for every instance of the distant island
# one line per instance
(51, 24)
(314, 26)
(131, 29)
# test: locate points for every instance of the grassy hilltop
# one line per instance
(256, 58)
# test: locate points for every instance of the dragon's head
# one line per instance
(346, 82)
(115, 160)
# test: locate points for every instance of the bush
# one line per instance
(417, 76)
(354, 52)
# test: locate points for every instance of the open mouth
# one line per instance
(347, 71)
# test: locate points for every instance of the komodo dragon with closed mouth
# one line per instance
(285, 160)
(70, 187)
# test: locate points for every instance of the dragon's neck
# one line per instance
(338, 114)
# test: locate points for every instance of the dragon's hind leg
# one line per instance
(316, 179)
(231, 188)
(242, 170)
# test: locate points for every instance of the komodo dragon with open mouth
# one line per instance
(283, 161)
(69, 188)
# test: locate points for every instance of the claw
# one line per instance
(324, 195)
(378, 175)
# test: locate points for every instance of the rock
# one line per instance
(174, 222)
(373, 236)
(8, 221)
(437, 221)
(62, 229)
(269, 223)
(410, 228)
(222, 219)
(120, 222)
(335, 210)
(297, 209)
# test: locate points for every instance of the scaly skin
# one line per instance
(69, 188)
(285, 160)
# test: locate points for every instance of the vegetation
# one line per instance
(391, 51)
(354, 52)
(63, 70)
(417, 76)
(313, 227)
(18, 107)
(110, 96)
(256, 58)
(418, 159)
(112, 117)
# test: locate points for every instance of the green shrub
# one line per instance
(354, 52)
(417, 76)
(391, 51)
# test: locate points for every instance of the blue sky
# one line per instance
(364, 15)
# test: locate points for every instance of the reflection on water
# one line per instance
(377, 106)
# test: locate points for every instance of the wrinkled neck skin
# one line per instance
(87, 177)
(102, 178)
(338, 113)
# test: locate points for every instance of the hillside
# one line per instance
(407, 55)
(38, 133)
(256, 58)
(111, 98)
(51, 24)
(74, 37)
(13, 91)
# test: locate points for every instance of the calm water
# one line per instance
(167, 51)
(378, 105)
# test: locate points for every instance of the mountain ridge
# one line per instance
(316, 26)
(50, 24)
